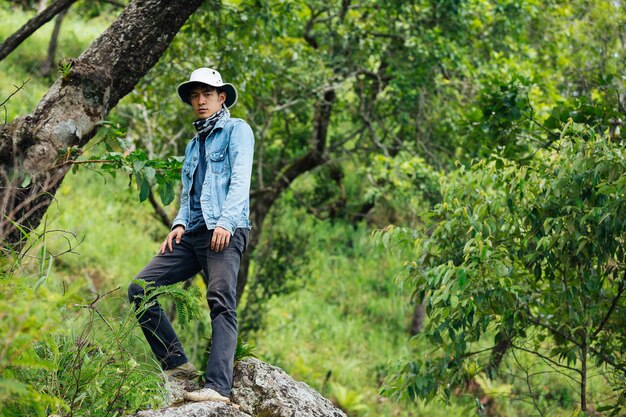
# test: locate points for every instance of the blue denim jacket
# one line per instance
(225, 197)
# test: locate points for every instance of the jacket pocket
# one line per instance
(218, 161)
(187, 170)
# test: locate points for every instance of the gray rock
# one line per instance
(205, 409)
(259, 390)
(265, 390)
(176, 389)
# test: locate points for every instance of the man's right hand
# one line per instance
(177, 234)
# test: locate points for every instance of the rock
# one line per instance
(265, 390)
(176, 389)
(259, 390)
(206, 409)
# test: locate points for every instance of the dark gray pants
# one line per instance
(191, 255)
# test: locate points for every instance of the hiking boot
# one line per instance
(184, 371)
(206, 394)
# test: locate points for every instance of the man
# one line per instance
(210, 233)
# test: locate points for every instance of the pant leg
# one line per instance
(164, 269)
(221, 271)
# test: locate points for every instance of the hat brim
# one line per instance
(184, 91)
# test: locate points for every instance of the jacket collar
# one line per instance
(222, 121)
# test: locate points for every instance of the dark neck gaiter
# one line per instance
(204, 126)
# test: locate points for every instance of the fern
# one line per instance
(187, 302)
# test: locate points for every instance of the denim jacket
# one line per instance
(225, 196)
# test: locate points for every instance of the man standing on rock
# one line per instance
(210, 233)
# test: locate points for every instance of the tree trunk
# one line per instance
(417, 322)
(32, 25)
(34, 149)
(244, 267)
(46, 68)
(583, 375)
(263, 201)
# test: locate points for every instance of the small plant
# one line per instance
(65, 67)
(244, 350)
(348, 400)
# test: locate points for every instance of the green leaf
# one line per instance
(123, 143)
(26, 181)
(138, 165)
(454, 301)
(166, 192)
(461, 275)
(144, 189)
(149, 173)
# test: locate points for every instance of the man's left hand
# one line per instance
(220, 240)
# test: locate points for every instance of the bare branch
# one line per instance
(546, 358)
(530, 389)
(46, 68)
(620, 291)
(15, 92)
(32, 25)
(160, 212)
(82, 161)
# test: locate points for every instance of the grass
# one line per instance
(342, 329)
(107, 211)
(345, 327)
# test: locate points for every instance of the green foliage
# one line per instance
(504, 118)
(345, 324)
(278, 267)
(244, 350)
(25, 327)
(83, 368)
(402, 186)
(419, 84)
(349, 401)
(119, 156)
(97, 374)
(65, 67)
(529, 257)
(99, 232)
(187, 301)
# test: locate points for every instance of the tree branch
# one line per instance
(578, 344)
(620, 291)
(46, 68)
(17, 89)
(552, 329)
(160, 212)
(309, 26)
(32, 25)
(545, 358)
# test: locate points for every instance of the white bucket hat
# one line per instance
(210, 77)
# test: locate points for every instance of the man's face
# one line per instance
(206, 101)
